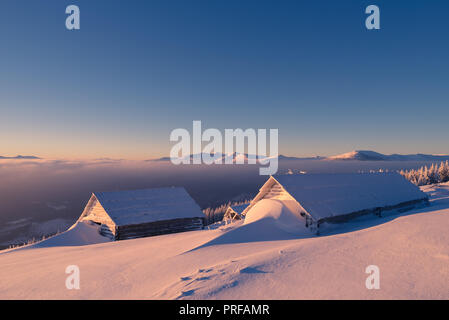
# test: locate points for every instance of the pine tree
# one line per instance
(423, 176)
(443, 171)
(433, 174)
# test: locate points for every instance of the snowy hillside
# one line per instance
(266, 257)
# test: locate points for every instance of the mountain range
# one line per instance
(366, 155)
(19, 157)
(356, 155)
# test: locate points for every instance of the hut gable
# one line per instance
(95, 212)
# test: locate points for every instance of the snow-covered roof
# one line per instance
(239, 209)
(148, 205)
(329, 195)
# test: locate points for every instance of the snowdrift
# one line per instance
(268, 220)
(276, 213)
(438, 191)
(80, 234)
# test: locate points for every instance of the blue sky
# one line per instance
(138, 69)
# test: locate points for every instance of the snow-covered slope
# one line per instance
(80, 234)
(256, 259)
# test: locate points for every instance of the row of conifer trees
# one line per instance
(428, 174)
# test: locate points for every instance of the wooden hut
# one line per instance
(143, 213)
(334, 198)
(233, 213)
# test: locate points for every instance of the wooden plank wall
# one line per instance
(159, 228)
(98, 215)
(401, 207)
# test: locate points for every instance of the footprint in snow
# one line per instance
(186, 293)
(251, 270)
(186, 278)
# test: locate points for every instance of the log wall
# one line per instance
(158, 228)
(402, 207)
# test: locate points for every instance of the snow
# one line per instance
(367, 155)
(260, 258)
(360, 155)
(148, 205)
(329, 195)
(281, 217)
(20, 157)
(80, 234)
(437, 191)
(267, 220)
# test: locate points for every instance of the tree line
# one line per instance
(428, 174)
(216, 214)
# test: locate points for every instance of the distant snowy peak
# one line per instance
(222, 157)
(362, 155)
(366, 155)
(20, 157)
